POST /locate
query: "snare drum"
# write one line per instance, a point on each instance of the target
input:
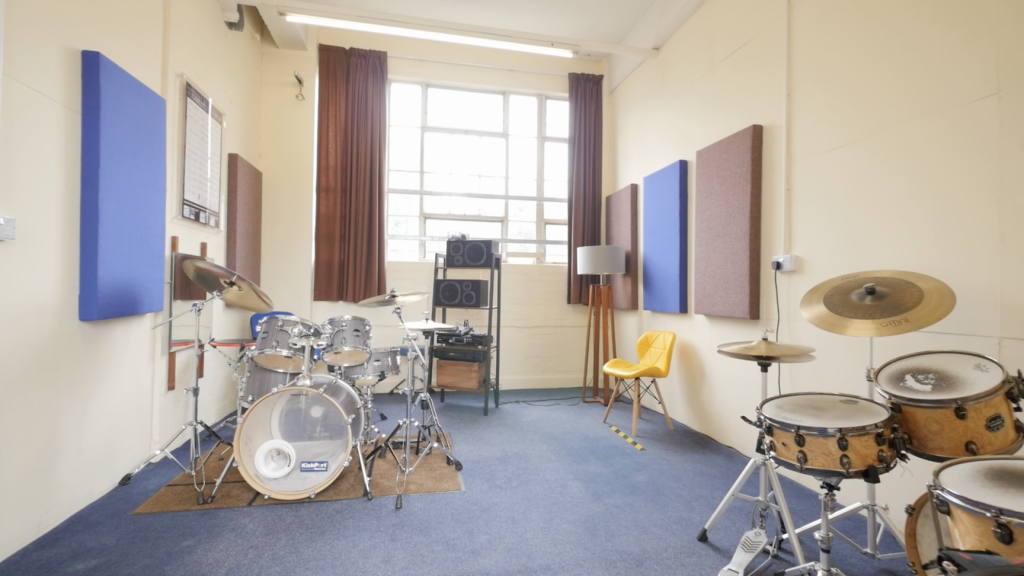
(273, 350)
(348, 341)
(952, 404)
(828, 435)
(294, 442)
(386, 361)
(983, 498)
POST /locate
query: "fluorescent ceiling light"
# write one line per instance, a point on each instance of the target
(428, 35)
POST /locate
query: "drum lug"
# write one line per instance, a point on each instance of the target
(971, 448)
(768, 430)
(880, 439)
(1002, 532)
(801, 460)
(844, 461)
(941, 506)
(960, 412)
(883, 457)
(896, 407)
(799, 439)
(844, 444)
(909, 510)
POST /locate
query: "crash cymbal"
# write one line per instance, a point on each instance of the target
(877, 303)
(771, 359)
(392, 298)
(429, 325)
(235, 289)
(765, 348)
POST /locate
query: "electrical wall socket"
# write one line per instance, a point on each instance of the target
(786, 263)
(7, 228)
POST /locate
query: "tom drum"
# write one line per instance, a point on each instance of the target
(348, 341)
(273, 350)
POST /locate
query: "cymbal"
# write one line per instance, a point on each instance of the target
(392, 298)
(771, 359)
(877, 303)
(429, 325)
(235, 289)
(765, 348)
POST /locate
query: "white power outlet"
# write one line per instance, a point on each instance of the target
(7, 228)
(785, 263)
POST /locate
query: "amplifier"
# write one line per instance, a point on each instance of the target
(478, 340)
(471, 253)
(460, 293)
(460, 354)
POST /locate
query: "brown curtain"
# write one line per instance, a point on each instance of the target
(585, 103)
(350, 192)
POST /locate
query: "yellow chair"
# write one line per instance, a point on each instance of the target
(655, 352)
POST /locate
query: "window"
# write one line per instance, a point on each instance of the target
(489, 165)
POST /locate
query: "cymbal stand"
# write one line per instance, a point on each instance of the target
(823, 566)
(756, 540)
(407, 424)
(877, 516)
(196, 461)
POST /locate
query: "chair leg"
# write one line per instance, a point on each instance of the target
(636, 403)
(611, 400)
(661, 400)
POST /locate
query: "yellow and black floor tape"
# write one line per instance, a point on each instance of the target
(627, 438)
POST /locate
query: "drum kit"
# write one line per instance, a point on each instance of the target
(953, 407)
(295, 431)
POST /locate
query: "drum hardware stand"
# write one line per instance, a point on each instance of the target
(877, 516)
(196, 460)
(756, 540)
(823, 566)
(406, 425)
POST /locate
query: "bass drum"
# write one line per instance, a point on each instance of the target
(952, 404)
(921, 539)
(293, 443)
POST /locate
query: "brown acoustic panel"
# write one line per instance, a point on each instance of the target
(184, 288)
(727, 252)
(620, 230)
(245, 217)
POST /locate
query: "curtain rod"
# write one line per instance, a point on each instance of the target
(452, 62)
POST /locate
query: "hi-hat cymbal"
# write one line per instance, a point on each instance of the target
(765, 348)
(235, 289)
(877, 303)
(392, 298)
(429, 325)
(771, 359)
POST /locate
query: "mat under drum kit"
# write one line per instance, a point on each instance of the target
(296, 430)
(952, 407)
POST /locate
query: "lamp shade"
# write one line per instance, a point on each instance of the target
(600, 260)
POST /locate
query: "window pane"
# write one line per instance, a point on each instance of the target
(556, 254)
(462, 154)
(556, 211)
(514, 260)
(556, 161)
(471, 228)
(404, 250)
(522, 157)
(522, 210)
(463, 206)
(403, 226)
(522, 231)
(405, 105)
(403, 205)
(404, 180)
(556, 119)
(490, 159)
(436, 247)
(522, 115)
(520, 187)
(556, 189)
(556, 232)
(404, 148)
(466, 110)
(529, 248)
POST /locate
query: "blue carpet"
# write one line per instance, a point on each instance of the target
(549, 489)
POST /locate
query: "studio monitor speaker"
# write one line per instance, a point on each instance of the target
(460, 293)
(471, 253)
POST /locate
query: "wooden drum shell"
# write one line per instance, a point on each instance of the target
(823, 452)
(937, 434)
(970, 531)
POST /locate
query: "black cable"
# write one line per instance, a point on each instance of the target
(778, 322)
(534, 402)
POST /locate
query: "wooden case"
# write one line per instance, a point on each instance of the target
(460, 375)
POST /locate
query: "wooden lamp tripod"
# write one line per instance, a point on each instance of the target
(602, 261)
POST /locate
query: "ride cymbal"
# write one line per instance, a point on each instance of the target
(392, 298)
(422, 325)
(234, 289)
(877, 303)
(771, 359)
(765, 348)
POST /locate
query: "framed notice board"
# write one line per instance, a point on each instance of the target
(201, 165)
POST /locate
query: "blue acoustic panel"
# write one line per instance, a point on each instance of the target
(124, 180)
(665, 243)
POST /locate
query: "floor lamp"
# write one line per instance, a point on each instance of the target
(600, 261)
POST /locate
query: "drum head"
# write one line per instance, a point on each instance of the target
(940, 376)
(992, 482)
(921, 540)
(820, 410)
(293, 443)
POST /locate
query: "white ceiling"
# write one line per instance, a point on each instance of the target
(612, 29)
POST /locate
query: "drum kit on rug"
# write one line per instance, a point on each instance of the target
(951, 407)
(295, 430)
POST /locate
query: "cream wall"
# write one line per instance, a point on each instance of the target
(82, 402)
(904, 135)
(542, 338)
